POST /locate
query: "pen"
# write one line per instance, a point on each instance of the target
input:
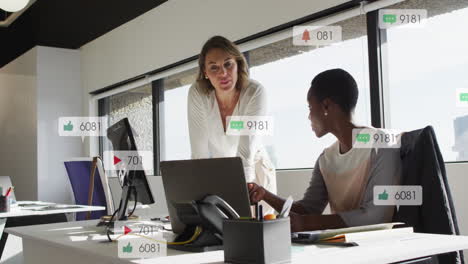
(8, 192)
(260, 212)
(337, 244)
(256, 211)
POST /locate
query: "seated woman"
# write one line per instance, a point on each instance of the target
(343, 176)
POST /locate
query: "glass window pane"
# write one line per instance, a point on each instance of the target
(137, 106)
(426, 66)
(176, 143)
(286, 72)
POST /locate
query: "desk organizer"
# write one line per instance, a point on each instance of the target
(4, 204)
(261, 242)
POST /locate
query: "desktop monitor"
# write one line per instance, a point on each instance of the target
(121, 136)
(192, 180)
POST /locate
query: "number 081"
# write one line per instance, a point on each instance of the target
(324, 35)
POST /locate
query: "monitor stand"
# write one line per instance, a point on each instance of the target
(121, 213)
(127, 192)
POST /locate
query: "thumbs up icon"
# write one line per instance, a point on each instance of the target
(68, 127)
(383, 196)
(128, 248)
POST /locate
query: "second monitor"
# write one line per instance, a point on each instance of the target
(121, 136)
(193, 180)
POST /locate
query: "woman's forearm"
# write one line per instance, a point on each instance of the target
(275, 201)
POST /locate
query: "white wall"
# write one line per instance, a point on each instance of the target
(35, 90)
(177, 29)
(458, 180)
(18, 155)
(58, 94)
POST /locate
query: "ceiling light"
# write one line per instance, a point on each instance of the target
(13, 5)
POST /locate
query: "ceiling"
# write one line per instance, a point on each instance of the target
(66, 23)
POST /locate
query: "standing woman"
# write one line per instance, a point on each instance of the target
(223, 88)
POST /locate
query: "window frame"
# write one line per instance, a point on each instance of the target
(378, 69)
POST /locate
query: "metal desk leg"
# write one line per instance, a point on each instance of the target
(4, 235)
(2, 224)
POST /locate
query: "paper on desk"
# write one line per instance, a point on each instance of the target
(55, 207)
(286, 207)
(329, 233)
(379, 235)
(369, 237)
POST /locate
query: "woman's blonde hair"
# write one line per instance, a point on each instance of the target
(219, 42)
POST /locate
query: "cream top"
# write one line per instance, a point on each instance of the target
(207, 136)
(347, 181)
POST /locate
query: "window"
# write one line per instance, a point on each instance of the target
(137, 106)
(422, 71)
(426, 66)
(176, 135)
(286, 72)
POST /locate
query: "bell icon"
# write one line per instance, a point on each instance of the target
(306, 35)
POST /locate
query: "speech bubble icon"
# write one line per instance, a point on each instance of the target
(363, 138)
(463, 97)
(389, 18)
(237, 125)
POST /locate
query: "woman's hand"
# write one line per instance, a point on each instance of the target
(256, 192)
(297, 222)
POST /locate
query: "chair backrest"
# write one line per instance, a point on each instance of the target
(79, 171)
(106, 186)
(423, 165)
(5, 183)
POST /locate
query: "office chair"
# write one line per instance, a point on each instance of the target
(79, 172)
(423, 165)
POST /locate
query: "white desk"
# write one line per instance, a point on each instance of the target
(17, 210)
(81, 242)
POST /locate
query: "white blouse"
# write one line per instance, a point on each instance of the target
(207, 136)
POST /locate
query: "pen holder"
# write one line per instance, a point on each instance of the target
(4, 204)
(252, 241)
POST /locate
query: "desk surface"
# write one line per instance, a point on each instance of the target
(77, 239)
(35, 209)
